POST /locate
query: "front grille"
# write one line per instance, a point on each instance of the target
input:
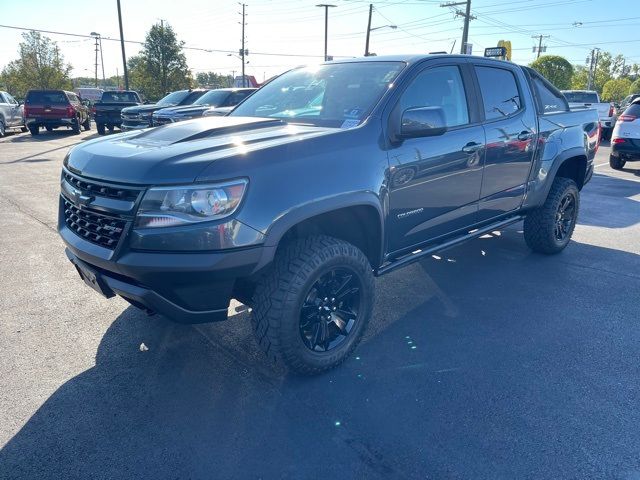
(95, 227)
(93, 188)
(161, 120)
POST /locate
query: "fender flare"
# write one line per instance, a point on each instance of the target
(539, 187)
(288, 219)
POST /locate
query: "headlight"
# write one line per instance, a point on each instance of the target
(174, 206)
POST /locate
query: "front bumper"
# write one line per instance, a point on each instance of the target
(187, 274)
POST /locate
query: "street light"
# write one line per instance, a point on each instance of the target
(98, 38)
(369, 30)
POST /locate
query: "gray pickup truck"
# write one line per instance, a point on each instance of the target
(321, 180)
(11, 114)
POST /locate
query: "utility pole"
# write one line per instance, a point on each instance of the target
(366, 48)
(124, 57)
(98, 38)
(243, 51)
(326, 26)
(467, 18)
(96, 64)
(593, 64)
(540, 37)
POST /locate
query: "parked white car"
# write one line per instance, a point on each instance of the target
(11, 114)
(625, 140)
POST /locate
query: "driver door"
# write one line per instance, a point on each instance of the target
(435, 181)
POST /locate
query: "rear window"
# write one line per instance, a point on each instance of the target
(119, 97)
(581, 97)
(46, 97)
(633, 109)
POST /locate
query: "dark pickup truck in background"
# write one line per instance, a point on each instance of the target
(136, 118)
(321, 180)
(107, 111)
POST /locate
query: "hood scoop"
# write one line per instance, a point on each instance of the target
(197, 129)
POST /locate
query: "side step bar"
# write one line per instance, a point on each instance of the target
(419, 254)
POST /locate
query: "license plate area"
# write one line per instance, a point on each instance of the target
(93, 279)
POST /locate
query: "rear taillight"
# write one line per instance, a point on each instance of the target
(26, 111)
(610, 110)
(618, 140)
(626, 118)
(70, 112)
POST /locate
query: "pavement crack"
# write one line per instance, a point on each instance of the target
(27, 213)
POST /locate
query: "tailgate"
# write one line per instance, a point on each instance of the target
(48, 111)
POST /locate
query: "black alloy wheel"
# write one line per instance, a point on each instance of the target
(565, 217)
(330, 310)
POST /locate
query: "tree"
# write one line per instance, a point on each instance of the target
(556, 69)
(213, 80)
(40, 65)
(634, 87)
(615, 89)
(161, 66)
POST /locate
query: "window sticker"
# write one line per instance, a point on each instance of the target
(350, 123)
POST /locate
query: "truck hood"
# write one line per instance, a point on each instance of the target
(184, 110)
(179, 152)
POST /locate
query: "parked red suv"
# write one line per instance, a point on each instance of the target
(54, 108)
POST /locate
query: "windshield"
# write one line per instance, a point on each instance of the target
(581, 97)
(174, 98)
(212, 98)
(336, 95)
(119, 97)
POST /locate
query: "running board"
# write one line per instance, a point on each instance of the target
(420, 253)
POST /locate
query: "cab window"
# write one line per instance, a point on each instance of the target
(500, 94)
(439, 87)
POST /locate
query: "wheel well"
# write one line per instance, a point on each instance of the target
(358, 225)
(574, 168)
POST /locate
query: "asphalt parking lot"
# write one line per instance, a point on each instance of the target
(484, 362)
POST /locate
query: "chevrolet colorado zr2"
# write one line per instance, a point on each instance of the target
(321, 180)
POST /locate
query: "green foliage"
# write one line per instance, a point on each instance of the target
(615, 89)
(608, 68)
(556, 69)
(40, 65)
(213, 80)
(634, 87)
(161, 66)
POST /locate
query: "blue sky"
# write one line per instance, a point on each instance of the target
(292, 31)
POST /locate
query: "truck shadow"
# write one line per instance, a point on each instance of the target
(455, 342)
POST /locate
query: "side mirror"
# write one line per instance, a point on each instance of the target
(423, 122)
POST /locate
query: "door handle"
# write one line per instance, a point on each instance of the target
(525, 135)
(472, 147)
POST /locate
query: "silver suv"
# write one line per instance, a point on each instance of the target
(11, 114)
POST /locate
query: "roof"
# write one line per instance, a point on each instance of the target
(410, 58)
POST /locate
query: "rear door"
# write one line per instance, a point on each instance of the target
(47, 104)
(511, 128)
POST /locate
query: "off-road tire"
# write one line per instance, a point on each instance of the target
(34, 131)
(111, 128)
(279, 296)
(75, 128)
(616, 162)
(87, 124)
(49, 129)
(100, 128)
(2, 129)
(539, 225)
